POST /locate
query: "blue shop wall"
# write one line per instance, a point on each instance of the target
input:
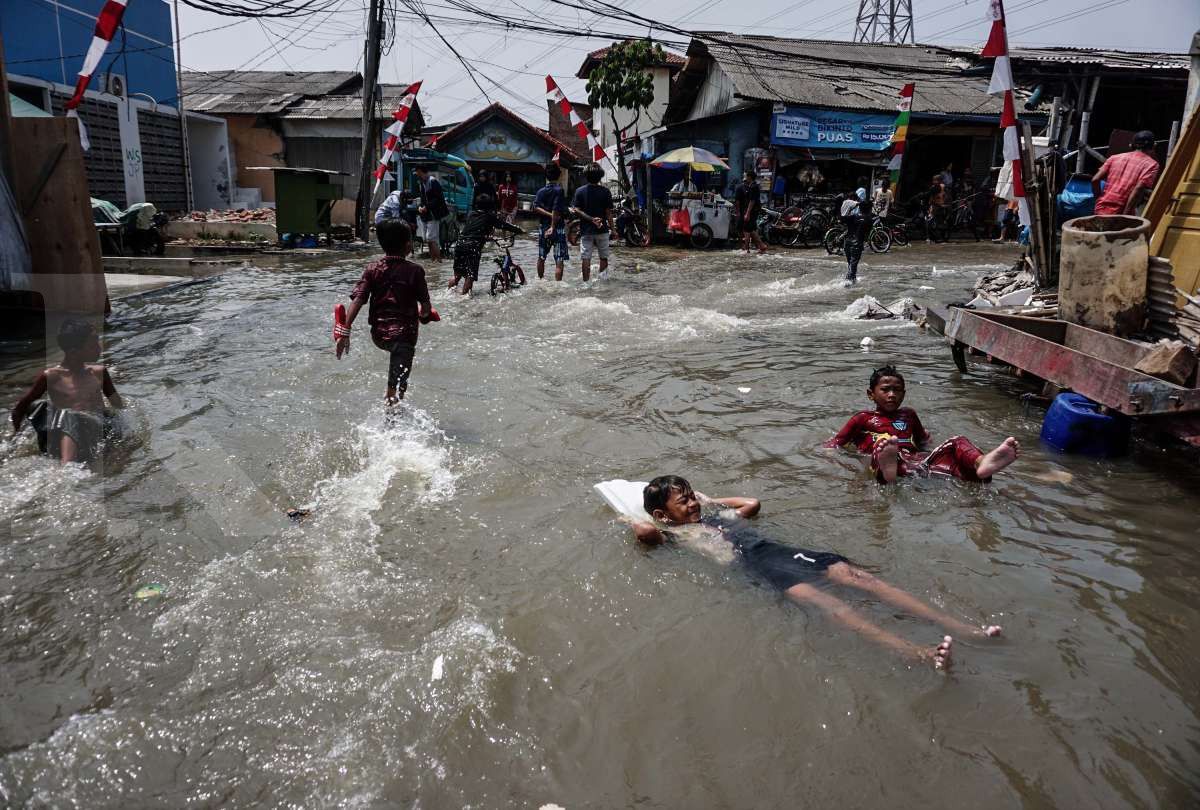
(48, 40)
(728, 135)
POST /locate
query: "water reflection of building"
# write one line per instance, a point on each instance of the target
(499, 140)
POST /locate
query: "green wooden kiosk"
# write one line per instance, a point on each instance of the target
(304, 198)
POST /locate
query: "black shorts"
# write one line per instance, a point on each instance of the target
(784, 566)
(466, 260)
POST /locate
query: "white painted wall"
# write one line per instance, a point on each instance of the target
(208, 148)
(651, 117)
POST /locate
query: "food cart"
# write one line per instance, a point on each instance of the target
(706, 217)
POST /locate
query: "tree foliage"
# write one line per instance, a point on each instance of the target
(624, 80)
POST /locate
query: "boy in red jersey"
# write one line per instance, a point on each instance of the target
(895, 438)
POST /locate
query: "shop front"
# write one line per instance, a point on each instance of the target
(821, 152)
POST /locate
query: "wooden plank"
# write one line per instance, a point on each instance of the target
(62, 239)
(1105, 382)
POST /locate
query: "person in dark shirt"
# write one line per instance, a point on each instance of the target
(432, 211)
(399, 299)
(483, 187)
(747, 206)
(679, 514)
(550, 205)
(894, 437)
(593, 204)
(476, 230)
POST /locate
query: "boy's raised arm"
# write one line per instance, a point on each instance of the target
(745, 507)
(110, 391)
(35, 392)
(848, 434)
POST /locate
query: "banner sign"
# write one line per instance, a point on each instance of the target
(811, 128)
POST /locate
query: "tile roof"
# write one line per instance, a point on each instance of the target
(670, 59)
(257, 92)
(847, 75)
(496, 108)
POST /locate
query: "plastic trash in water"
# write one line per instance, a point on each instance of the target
(743, 390)
(439, 666)
(149, 591)
(866, 344)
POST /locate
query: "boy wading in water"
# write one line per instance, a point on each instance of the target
(798, 572)
(550, 204)
(74, 421)
(894, 438)
(399, 298)
(593, 204)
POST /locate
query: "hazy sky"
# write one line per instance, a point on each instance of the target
(518, 61)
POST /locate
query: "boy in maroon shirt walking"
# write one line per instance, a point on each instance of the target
(399, 298)
(894, 438)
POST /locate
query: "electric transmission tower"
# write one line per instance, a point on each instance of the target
(884, 21)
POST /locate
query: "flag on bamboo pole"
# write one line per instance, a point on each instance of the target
(556, 95)
(394, 131)
(107, 23)
(900, 135)
(1002, 84)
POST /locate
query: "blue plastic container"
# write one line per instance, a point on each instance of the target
(1074, 424)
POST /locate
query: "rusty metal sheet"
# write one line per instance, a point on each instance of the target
(1105, 382)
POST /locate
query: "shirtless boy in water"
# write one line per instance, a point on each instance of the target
(798, 572)
(894, 437)
(77, 387)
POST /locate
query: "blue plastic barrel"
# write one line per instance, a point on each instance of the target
(1074, 424)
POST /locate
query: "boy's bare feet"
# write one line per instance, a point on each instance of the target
(991, 630)
(888, 460)
(941, 654)
(1005, 453)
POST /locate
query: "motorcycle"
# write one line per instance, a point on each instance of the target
(630, 225)
(139, 230)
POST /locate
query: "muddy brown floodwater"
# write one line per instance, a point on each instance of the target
(463, 624)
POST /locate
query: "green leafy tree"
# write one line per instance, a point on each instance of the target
(624, 80)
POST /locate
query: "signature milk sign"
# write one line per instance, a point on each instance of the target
(811, 128)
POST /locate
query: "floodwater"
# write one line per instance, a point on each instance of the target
(463, 623)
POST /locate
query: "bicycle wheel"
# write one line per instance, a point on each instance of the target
(813, 226)
(834, 240)
(899, 234)
(498, 283)
(573, 232)
(879, 239)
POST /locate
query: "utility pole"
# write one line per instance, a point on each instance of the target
(183, 129)
(362, 205)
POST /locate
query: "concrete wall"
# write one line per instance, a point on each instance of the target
(208, 147)
(255, 145)
(650, 118)
(235, 231)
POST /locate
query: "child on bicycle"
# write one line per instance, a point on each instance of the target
(477, 229)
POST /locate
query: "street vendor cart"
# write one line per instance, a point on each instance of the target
(702, 217)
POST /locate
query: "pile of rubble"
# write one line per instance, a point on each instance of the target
(232, 215)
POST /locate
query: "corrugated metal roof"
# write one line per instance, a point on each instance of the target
(342, 107)
(1113, 60)
(257, 92)
(850, 76)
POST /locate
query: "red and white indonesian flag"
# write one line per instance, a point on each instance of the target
(106, 27)
(1002, 84)
(394, 132)
(556, 95)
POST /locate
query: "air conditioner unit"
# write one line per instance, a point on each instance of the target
(114, 85)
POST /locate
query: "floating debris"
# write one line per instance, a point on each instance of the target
(149, 591)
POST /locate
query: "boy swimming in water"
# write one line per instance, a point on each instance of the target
(894, 438)
(399, 298)
(798, 572)
(74, 422)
